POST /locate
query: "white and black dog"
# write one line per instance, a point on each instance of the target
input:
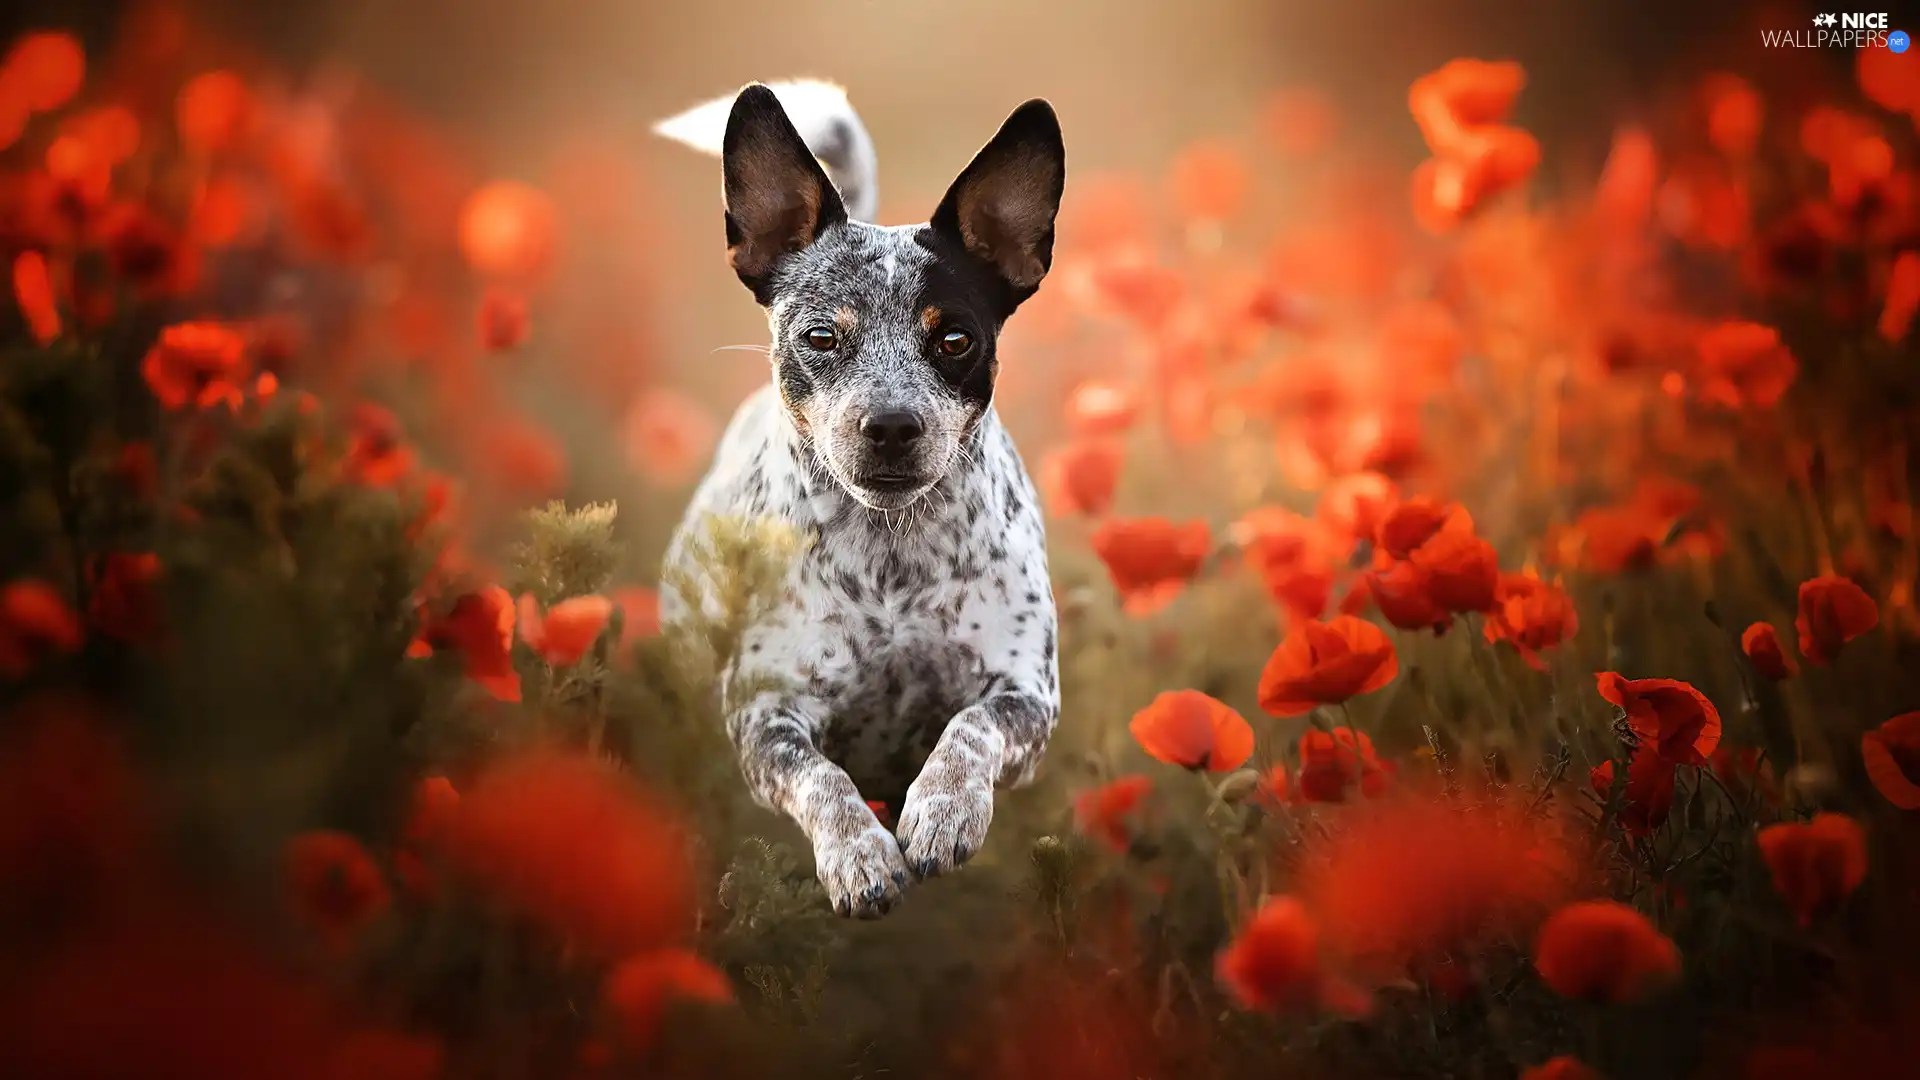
(918, 632)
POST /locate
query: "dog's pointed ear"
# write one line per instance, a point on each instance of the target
(778, 198)
(1003, 205)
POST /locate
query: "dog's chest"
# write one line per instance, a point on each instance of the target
(890, 654)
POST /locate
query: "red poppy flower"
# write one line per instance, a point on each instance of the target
(1275, 965)
(480, 627)
(1461, 571)
(1891, 754)
(1412, 523)
(126, 600)
(569, 841)
(1815, 865)
(195, 363)
(507, 229)
(1415, 878)
(1833, 611)
(377, 453)
(1761, 643)
(1667, 714)
(1331, 762)
(1733, 111)
(1102, 812)
(1649, 794)
(213, 110)
(1354, 506)
(564, 634)
(35, 624)
(639, 613)
(1400, 592)
(504, 321)
(1080, 477)
(1902, 297)
(1325, 664)
(1097, 407)
(1745, 365)
(1151, 559)
(638, 991)
(1598, 950)
(1563, 1067)
(668, 437)
(33, 289)
(1532, 616)
(1293, 558)
(1209, 181)
(334, 887)
(1189, 729)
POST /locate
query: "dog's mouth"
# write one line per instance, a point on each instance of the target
(889, 491)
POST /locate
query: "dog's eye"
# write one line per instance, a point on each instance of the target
(822, 338)
(956, 343)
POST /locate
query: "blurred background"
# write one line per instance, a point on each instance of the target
(516, 80)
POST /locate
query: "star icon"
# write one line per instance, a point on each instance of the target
(1830, 19)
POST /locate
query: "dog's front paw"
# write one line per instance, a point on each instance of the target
(862, 870)
(944, 819)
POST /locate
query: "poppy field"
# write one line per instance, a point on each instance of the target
(1488, 636)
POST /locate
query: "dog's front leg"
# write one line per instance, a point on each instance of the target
(857, 859)
(996, 742)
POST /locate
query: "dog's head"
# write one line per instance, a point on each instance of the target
(884, 337)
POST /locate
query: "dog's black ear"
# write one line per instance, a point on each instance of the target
(778, 199)
(1003, 205)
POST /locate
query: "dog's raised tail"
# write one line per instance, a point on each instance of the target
(824, 118)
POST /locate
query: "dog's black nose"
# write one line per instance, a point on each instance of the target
(893, 432)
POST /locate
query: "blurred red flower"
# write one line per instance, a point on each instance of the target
(1833, 611)
(563, 635)
(1151, 559)
(36, 624)
(1412, 879)
(1276, 965)
(1189, 729)
(1598, 950)
(126, 601)
(569, 841)
(669, 437)
(1563, 1067)
(33, 289)
(1815, 865)
(1761, 643)
(1325, 664)
(503, 320)
(334, 888)
(196, 363)
(377, 452)
(1903, 295)
(1532, 616)
(1666, 714)
(1744, 365)
(479, 626)
(1080, 477)
(1102, 812)
(638, 991)
(1648, 798)
(42, 71)
(507, 229)
(1331, 762)
(1891, 754)
(1097, 407)
(213, 111)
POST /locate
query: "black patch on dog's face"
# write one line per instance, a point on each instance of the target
(860, 312)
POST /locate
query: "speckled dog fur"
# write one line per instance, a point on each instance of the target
(918, 632)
